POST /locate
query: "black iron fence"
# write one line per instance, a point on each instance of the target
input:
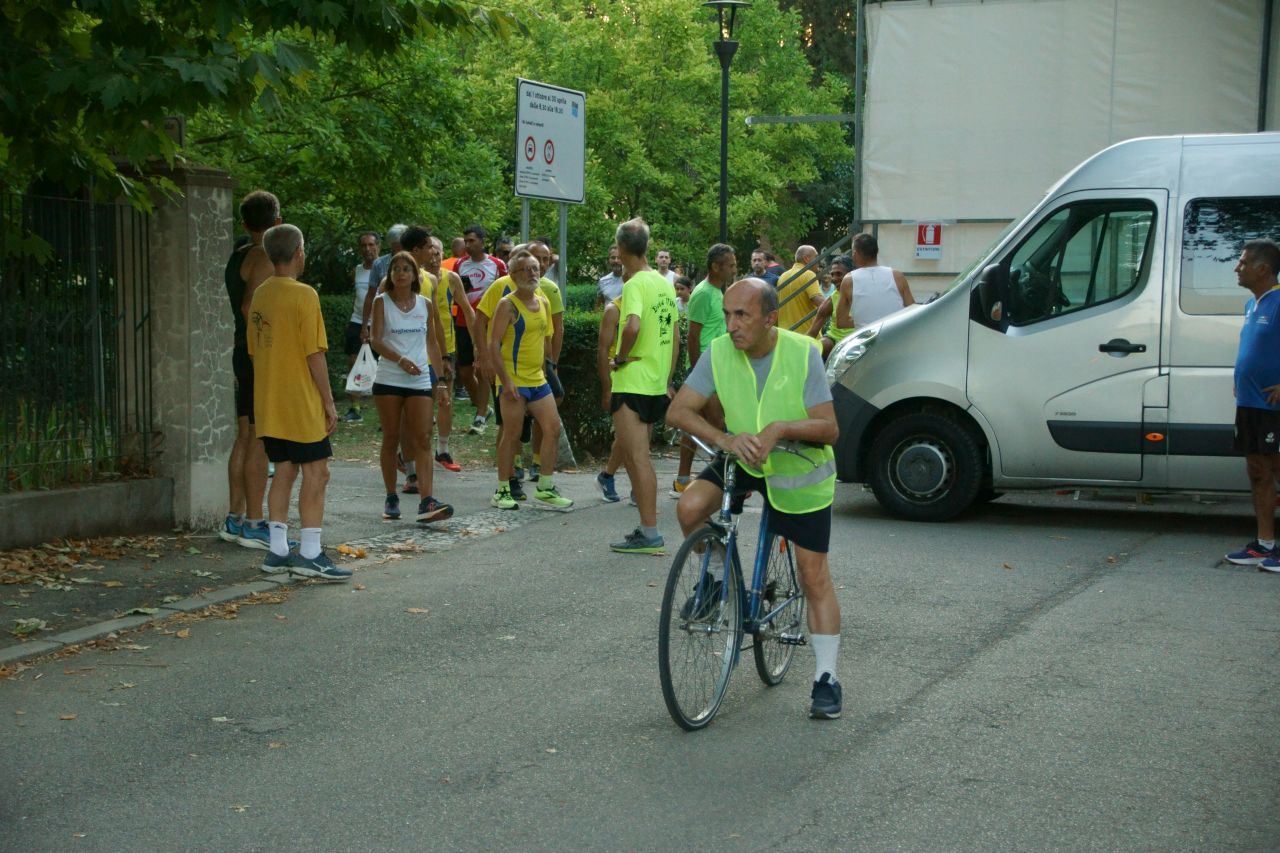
(75, 343)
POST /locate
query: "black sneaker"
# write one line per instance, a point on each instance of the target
(430, 509)
(517, 490)
(703, 601)
(826, 698)
(391, 507)
(410, 486)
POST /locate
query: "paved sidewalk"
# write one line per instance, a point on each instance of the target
(129, 582)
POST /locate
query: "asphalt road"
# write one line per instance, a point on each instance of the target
(1043, 674)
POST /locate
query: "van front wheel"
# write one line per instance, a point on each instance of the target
(925, 467)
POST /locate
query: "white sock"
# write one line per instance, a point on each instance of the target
(411, 469)
(826, 647)
(310, 547)
(442, 444)
(1267, 543)
(279, 538)
(253, 522)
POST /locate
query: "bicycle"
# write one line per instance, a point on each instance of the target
(703, 618)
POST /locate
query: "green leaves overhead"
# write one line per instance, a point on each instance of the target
(86, 85)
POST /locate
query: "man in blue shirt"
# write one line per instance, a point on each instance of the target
(1257, 389)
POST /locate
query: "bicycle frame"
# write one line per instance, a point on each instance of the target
(725, 524)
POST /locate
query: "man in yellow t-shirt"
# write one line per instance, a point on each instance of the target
(293, 403)
(642, 369)
(798, 292)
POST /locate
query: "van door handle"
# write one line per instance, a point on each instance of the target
(1120, 346)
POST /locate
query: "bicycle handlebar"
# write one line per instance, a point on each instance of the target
(786, 448)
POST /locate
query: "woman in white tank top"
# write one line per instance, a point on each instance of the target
(402, 317)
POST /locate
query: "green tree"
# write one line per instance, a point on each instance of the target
(652, 85)
(86, 85)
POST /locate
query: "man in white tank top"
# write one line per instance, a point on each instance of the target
(871, 292)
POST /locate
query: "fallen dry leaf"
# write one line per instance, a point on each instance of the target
(1005, 566)
(416, 610)
(275, 744)
(358, 586)
(66, 716)
(184, 633)
(113, 584)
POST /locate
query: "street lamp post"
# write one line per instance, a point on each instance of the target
(725, 47)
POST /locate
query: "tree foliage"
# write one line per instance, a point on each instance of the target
(86, 85)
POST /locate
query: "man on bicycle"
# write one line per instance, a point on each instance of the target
(772, 386)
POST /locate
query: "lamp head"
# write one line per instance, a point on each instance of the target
(726, 23)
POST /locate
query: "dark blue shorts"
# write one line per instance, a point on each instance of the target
(536, 393)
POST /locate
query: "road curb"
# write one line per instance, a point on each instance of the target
(98, 630)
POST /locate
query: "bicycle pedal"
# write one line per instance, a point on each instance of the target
(792, 639)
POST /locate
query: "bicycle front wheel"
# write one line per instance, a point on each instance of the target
(699, 630)
(774, 646)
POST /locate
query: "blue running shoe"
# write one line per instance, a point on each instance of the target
(319, 567)
(231, 528)
(826, 697)
(391, 507)
(1250, 555)
(1271, 564)
(607, 488)
(636, 542)
(275, 564)
(255, 536)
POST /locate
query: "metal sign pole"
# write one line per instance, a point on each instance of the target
(524, 220)
(563, 263)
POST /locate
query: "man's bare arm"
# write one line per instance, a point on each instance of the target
(820, 319)
(904, 289)
(844, 315)
(254, 270)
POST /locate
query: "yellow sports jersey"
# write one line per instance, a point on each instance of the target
(286, 326)
(444, 310)
(500, 288)
(802, 282)
(524, 342)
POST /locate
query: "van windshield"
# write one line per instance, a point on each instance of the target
(975, 265)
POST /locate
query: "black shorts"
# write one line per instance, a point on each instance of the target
(649, 407)
(553, 379)
(299, 453)
(1257, 431)
(353, 341)
(466, 352)
(242, 367)
(808, 530)
(526, 426)
(380, 390)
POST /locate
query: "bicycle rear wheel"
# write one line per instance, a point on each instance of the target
(699, 630)
(772, 655)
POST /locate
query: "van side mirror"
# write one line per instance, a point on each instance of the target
(990, 298)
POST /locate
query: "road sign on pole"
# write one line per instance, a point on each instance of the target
(551, 131)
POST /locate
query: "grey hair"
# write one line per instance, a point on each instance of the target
(632, 237)
(281, 243)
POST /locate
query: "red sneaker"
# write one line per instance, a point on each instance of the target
(447, 463)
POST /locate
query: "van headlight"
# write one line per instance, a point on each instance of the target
(848, 351)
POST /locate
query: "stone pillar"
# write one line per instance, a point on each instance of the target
(191, 335)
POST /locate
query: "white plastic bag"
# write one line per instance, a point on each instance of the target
(360, 379)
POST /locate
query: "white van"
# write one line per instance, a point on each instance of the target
(1092, 346)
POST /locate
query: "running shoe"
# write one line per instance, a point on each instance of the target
(231, 527)
(520, 474)
(352, 416)
(255, 536)
(1251, 554)
(826, 697)
(447, 463)
(552, 498)
(502, 499)
(607, 488)
(637, 543)
(478, 424)
(704, 599)
(275, 564)
(535, 471)
(410, 486)
(1271, 563)
(391, 507)
(319, 567)
(678, 485)
(430, 509)
(517, 490)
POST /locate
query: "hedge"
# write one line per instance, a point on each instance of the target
(589, 428)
